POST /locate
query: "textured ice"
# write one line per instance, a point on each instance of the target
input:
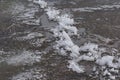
(52, 13)
(87, 52)
(103, 7)
(31, 35)
(65, 43)
(32, 74)
(22, 76)
(75, 67)
(65, 20)
(26, 16)
(89, 47)
(42, 3)
(24, 58)
(106, 60)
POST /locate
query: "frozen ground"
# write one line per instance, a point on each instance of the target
(59, 40)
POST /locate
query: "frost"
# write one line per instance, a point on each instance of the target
(93, 52)
(106, 72)
(24, 58)
(106, 60)
(31, 35)
(87, 58)
(70, 29)
(32, 74)
(52, 13)
(65, 20)
(89, 47)
(67, 43)
(23, 76)
(42, 3)
(75, 67)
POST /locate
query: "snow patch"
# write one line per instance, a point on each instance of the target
(42, 3)
(75, 67)
(107, 60)
(52, 13)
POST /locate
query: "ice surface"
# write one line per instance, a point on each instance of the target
(52, 13)
(29, 36)
(42, 3)
(103, 7)
(107, 60)
(65, 19)
(64, 42)
(32, 74)
(75, 67)
(24, 58)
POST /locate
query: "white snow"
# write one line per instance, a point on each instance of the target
(63, 32)
(75, 67)
(86, 58)
(89, 47)
(65, 20)
(106, 72)
(107, 60)
(42, 3)
(52, 13)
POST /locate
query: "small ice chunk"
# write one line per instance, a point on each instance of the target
(89, 47)
(67, 40)
(75, 67)
(113, 70)
(106, 60)
(112, 77)
(52, 13)
(75, 51)
(85, 57)
(106, 72)
(65, 19)
(42, 3)
(70, 29)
